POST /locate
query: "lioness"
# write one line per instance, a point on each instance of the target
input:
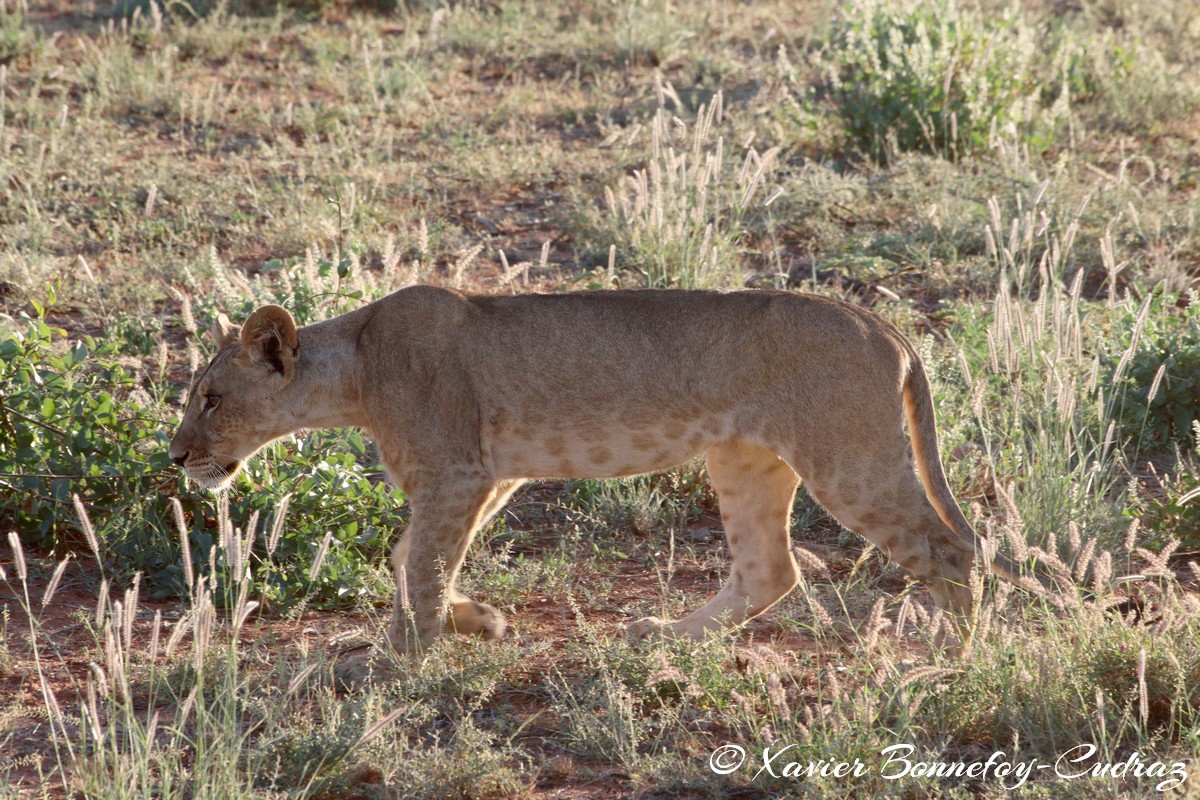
(469, 396)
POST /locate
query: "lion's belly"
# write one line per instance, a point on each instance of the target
(600, 449)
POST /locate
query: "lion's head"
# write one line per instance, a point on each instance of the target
(233, 406)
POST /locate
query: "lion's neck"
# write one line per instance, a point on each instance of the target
(325, 392)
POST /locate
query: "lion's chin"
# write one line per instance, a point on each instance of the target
(216, 477)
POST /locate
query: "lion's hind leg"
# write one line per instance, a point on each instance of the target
(755, 488)
(885, 503)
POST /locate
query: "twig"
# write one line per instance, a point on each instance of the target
(32, 421)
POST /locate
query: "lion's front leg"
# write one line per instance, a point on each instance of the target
(464, 615)
(427, 560)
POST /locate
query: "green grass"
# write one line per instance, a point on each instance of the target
(1013, 184)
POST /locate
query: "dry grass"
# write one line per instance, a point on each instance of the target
(161, 167)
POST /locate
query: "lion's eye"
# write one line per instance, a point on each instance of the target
(211, 401)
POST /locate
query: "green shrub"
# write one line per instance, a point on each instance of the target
(1125, 77)
(330, 492)
(932, 76)
(1157, 384)
(73, 421)
(1172, 513)
(69, 423)
(18, 39)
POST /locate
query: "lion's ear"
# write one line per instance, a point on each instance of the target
(224, 332)
(270, 338)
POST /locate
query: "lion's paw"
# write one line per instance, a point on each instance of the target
(648, 627)
(478, 618)
(360, 671)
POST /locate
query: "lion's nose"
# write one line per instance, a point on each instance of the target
(180, 459)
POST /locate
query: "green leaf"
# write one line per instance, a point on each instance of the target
(1182, 417)
(27, 455)
(77, 354)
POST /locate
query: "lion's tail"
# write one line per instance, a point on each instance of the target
(918, 405)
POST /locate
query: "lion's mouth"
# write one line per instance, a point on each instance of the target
(214, 475)
(224, 474)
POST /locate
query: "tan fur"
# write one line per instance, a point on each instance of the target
(469, 396)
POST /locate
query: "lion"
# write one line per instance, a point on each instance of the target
(469, 396)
